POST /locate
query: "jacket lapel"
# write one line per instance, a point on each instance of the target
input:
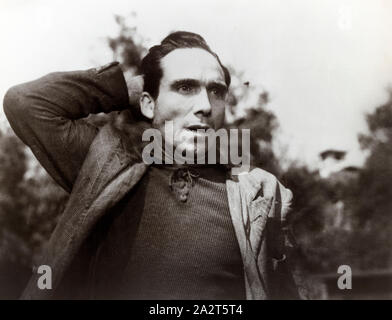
(249, 212)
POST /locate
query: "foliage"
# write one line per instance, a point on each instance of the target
(347, 219)
(127, 46)
(30, 203)
(373, 205)
(247, 110)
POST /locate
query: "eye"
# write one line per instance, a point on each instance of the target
(219, 92)
(184, 89)
(215, 91)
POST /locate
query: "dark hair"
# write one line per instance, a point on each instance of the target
(151, 67)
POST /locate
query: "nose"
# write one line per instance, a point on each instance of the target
(202, 106)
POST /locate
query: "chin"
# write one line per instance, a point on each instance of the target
(190, 150)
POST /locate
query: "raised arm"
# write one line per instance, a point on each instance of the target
(48, 115)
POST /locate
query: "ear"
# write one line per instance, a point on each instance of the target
(147, 105)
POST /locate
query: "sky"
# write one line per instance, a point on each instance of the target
(325, 63)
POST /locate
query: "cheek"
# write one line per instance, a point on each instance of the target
(171, 107)
(218, 114)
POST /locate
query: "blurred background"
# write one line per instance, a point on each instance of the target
(312, 79)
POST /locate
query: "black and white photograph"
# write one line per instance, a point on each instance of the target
(196, 150)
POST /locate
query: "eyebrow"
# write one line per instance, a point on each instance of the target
(219, 85)
(196, 83)
(181, 82)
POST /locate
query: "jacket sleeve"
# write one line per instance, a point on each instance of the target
(48, 115)
(290, 278)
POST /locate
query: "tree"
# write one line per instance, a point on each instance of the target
(29, 207)
(128, 46)
(373, 205)
(366, 201)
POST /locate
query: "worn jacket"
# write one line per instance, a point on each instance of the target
(98, 166)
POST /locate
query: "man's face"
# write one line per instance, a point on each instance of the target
(192, 94)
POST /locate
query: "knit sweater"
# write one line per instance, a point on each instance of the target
(158, 246)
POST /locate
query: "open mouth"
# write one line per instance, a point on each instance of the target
(198, 127)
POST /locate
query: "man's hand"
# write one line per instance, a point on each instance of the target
(135, 88)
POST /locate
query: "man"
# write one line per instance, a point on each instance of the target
(133, 230)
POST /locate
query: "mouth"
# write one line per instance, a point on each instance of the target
(196, 127)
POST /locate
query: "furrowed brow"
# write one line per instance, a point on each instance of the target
(220, 85)
(181, 82)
